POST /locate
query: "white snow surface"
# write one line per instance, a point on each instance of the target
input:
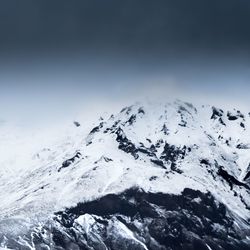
(32, 188)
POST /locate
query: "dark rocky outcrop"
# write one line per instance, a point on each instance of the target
(216, 113)
(243, 146)
(231, 179)
(190, 221)
(125, 144)
(172, 153)
(247, 176)
(77, 124)
(68, 162)
(97, 128)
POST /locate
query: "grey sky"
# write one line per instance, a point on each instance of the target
(61, 89)
(125, 25)
(60, 57)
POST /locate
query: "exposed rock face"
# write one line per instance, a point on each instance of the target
(136, 219)
(70, 161)
(158, 176)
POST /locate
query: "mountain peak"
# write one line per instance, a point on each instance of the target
(158, 148)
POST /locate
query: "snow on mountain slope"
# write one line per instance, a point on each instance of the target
(156, 147)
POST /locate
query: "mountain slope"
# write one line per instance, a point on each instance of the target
(154, 176)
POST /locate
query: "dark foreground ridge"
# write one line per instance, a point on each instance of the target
(138, 220)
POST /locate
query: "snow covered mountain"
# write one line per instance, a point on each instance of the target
(154, 176)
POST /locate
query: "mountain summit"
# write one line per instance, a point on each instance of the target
(154, 176)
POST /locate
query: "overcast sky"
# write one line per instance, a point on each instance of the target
(58, 58)
(126, 24)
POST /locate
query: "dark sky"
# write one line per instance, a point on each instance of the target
(125, 25)
(59, 56)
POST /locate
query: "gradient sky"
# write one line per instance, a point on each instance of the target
(59, 58)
